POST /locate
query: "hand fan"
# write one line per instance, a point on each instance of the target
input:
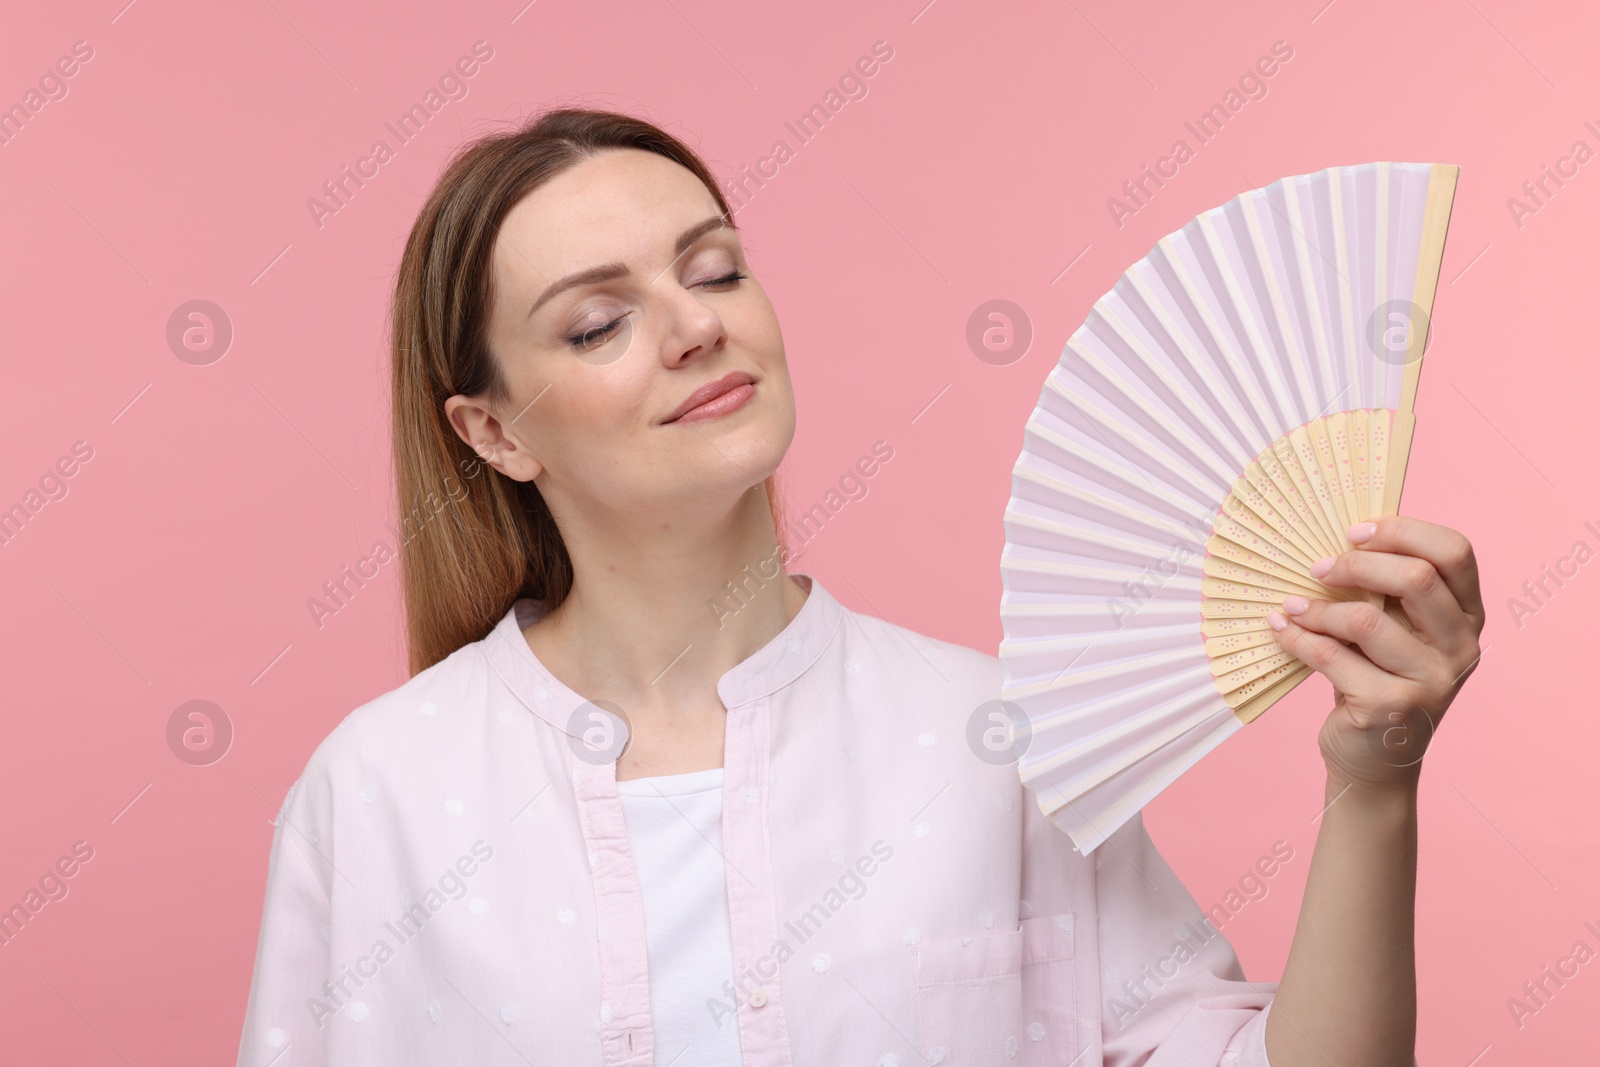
(1239, 398)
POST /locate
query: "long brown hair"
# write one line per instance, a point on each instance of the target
(475, 540)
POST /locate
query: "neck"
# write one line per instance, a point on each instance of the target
(658, 614)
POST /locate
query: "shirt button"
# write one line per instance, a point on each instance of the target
(758, 997)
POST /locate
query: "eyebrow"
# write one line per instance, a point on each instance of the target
(607, 271)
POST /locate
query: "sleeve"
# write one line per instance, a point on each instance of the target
(283, 1024)
(1156, 983)
(1173, 993)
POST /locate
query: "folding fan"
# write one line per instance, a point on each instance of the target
(1240, 397)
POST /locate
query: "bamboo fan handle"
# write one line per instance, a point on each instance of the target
(1435, 221)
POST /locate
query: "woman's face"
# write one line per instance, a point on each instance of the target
(619, 292)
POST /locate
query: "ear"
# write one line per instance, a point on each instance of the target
(486, 435)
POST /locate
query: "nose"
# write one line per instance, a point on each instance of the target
(693, 327)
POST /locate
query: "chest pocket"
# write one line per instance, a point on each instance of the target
(970, 997)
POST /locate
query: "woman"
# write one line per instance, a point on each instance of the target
(796, 859)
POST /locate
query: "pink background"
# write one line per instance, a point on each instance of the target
(219, 498)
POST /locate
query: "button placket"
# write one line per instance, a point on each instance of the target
(626, 1037)
(752, 905)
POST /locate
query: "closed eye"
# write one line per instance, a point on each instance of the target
(597, 335)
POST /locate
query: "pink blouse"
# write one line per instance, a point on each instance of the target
(450, 882)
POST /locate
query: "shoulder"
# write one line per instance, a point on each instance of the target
(899, 645)
(397, 730)
(900, 666)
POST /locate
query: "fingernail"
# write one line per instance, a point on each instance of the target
(1276, 621)
(1361, 532)
(1294, 605)
(1321, 567)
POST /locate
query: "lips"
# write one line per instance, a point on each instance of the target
(727, 383)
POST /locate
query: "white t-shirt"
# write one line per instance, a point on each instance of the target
(675, 834)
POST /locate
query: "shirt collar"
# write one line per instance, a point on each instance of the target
(774, 665)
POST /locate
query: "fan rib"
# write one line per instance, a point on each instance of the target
(1293, 356)
(1244, 308)
(1148, 449)
(1196, 450)
(1200, 363)
(1354, 367)
(1217, 459)
(1220, 340)
(1115, 474)
(1322, 365)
